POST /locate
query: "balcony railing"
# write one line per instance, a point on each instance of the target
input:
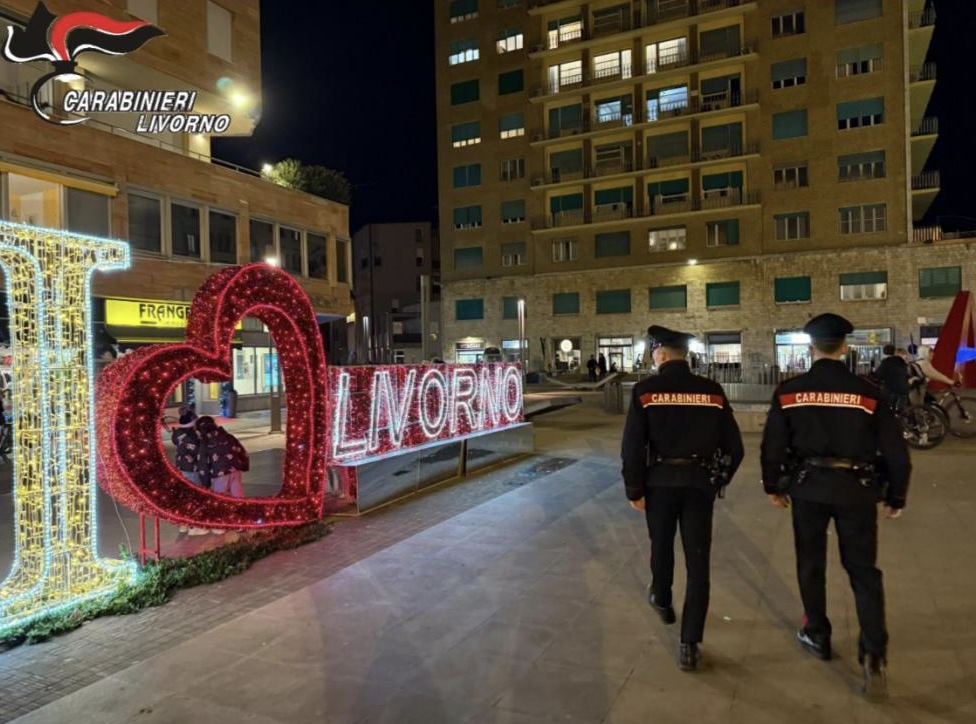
(921, 18)
(664, 205)
(926, 127)
(922, 73)
(933, 234)
(698, 156)
(926, 180)
(655, 12)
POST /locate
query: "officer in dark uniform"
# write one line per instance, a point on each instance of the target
(829, 446)
(681, 446)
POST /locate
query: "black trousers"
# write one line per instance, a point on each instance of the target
(857, 534)
(691, 508)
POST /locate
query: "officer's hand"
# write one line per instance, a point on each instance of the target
(637, 504)
(780, 501)
(892, 513)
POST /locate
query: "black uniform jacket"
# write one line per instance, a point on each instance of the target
(892, 373)
(679, 415)
(830, 413)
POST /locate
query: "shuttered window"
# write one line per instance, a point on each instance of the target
(616, 243)
(464, 92)
(565, 119)
(469, 309)
(513, 254)
(859, 166)
(875, 277)
(463, 51)
(565, 303)
(791, 124)
(566, 162)
(466, 134)
(615, 301)
(509, 307)
(672, 187)
(722, 233)
(470, 258)
(729, 180)
(569, 202)
(513, 211)
(623, 195)
(511, 82)
(720, 42)
(722, 294)
(667, 145)
(856, 61)
(467, 217)
(789, 73)
(792, 289)
(856, 114)
(463, 10)
(467, 175)
(511, 125)
(854, 11)
(945, 281)
(727, 137)
(675, 297)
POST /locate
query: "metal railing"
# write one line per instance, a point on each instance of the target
(663, 205)
(926, 180)
(655, 12)
(699, 156)
(926, 127)
(921, 18)
(924, 72)
(934, 234)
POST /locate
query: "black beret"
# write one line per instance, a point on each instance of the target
(828, 326)
(668, 337)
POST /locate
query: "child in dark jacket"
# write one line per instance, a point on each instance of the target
(221, 459)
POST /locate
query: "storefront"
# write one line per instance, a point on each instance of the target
(619, 352)
(792, 351)
(469, 352)
(866, 349)
(510, 350)
(567, 353)
(724, 347)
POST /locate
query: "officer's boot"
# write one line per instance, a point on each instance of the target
(875, 675)
(665, 612)
(688, 656)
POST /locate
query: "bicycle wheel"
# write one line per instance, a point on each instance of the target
(924, 427)
(962, 416)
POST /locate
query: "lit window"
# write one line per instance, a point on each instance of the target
(463, 51)
(511, 125)
(612, 65)
(509, 40)
(565, 74)
(671, 239)
(861, 286)
(565, 30)
(465, 134)
(666, 54)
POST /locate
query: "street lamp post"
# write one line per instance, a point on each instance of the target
(521, 334)
(274, 405)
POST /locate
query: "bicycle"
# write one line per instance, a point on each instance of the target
(924, 426)
(959, 411)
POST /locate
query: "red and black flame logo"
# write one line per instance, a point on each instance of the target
(62, 39)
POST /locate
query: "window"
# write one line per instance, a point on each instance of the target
(564, 164)
(223, 237)
(317, 260)
(467, 217)
(856, 61)
(463, 10)
(614, 158)
(615, 243)
(722, 233)
(465, 134)
(342, 261)
(146, 223)
(611, 20)
(511, 125)
(862, 219)
(943, 281)
(33, 201)
(463, 51)
(615, 110)
(861, 166)
(219, 31)
(290, 246)
(666, 101)
(469, 175)
(661, 149)
(857, 114)
(666, 54)
(87, 212)
(262, 240)
(791, 124)
(611, 200)
(144, 10)
(510, 307)
(564, 30)
(469, 309)
(790, 290)
(661, 194)
(721, 91)
(185, 226)
(790, 177)
(861, 286)
(616, 301)
(792, 226)
(721, 184)
(464, 92)
(567, 208)
(565, 303)
(512, 168)
(789, 24)
(565, 74)
(675, 297)
(722, 294)
(511, 82)
(509, 39)
(513, 254)
(853, 11)
(470, 258)
(565, 120)
(564, 250)
(721, 141)
(513, 212)
(506, 4)
(789, 73)
(669, 239)
(420, 257)
(719, 43)
(612, 65)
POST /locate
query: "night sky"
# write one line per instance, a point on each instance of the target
(350, 85)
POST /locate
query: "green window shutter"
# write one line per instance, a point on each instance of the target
(858, 278)
(858, 109)
(464, 92)
(850, 109)
(870, 52)
(669, 188)
(872, 106)
(565, 303)
(474, 174)
(570, 202)
(718, 85)
(732, 229)
(614, 196)
(792, 289)
(732, 179)
(721, 40)
(615, 301)
(467, 216)
(513, 209)
(511, 121)
(469, 258)
(509, 307)
(511, 82)
(566, 117)
(567, 161)
(616, 243)
(460, 176)
(465, 131)
(460, 8)
(945, 281)
(796, 68)
(791, 124)
(848, 55)
(675, 297)
(469, 309)
(721, 138)
(853, 11)
(722, 294)
(857, 159)
(668, 145)
(516, 247)
(460, 46)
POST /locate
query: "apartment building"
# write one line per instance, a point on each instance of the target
(184, 213)
(723, 166)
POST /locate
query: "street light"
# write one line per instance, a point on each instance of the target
(521, 333)
(271, 259)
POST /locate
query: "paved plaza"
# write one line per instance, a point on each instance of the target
(517, 596)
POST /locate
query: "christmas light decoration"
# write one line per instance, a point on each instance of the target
(383, 410)
(48, 274)
(132, 391)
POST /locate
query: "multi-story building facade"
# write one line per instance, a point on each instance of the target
(723, 166)
(396, 286)
(184, 213)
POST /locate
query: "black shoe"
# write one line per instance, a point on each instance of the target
(816, 644)
(688, 657)
(665, 612)
(875, 677)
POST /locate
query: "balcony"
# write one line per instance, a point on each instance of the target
(698, 156)
(922, 73)
(925, 181)
(935, 234)
(653, 12)
(926, 127)
(921, 19)
(729, 198)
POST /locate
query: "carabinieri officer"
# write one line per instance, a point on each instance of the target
(830, 445)
(681, 446)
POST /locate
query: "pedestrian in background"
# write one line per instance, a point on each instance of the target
(186, 439)
(591, 366)
(892, 375)
(602, 365)
(222, 460)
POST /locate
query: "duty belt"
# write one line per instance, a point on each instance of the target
(837, 464)
(660, 459)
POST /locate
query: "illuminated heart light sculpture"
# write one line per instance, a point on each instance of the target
(132, 464)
